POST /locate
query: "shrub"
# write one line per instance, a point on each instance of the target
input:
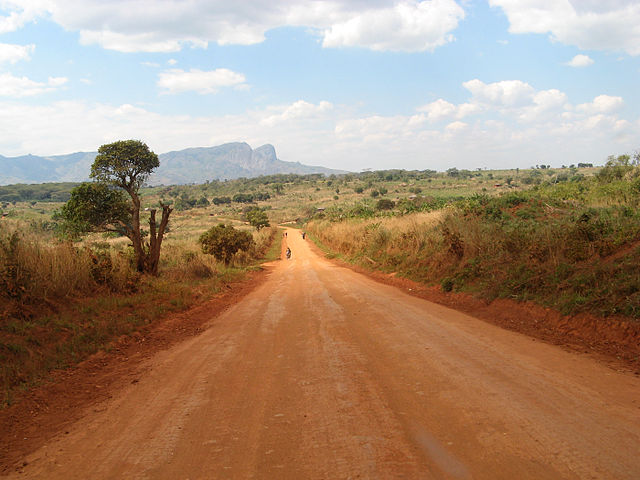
(385, 204)
(223, 241)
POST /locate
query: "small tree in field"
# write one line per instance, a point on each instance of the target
(119, 167)
(257, 218)
(223, 241)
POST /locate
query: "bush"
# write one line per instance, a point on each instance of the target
(385, 204)
(257, 218)
(223, 241)
(221, 200)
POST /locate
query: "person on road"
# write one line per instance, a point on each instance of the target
(288, 252)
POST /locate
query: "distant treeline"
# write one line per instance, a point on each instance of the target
(42, 192)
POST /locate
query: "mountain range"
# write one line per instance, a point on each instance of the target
(192, 165)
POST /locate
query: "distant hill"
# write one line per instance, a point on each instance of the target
(192, 165)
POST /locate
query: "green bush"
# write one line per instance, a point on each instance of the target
(224, 241)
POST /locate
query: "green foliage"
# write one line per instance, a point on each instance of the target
(45, 192)
(125, 163)
(184, 203)
(224, 241)
(203, 202)
(257, 218)
(618, 167)
(94, 207)
(250, 197)
(221, 200)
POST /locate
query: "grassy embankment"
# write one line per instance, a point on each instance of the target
(573, 246)
(62, 301)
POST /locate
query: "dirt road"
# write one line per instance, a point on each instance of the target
(322, 373)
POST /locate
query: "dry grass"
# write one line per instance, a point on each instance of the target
(60, 301)
(408, 234)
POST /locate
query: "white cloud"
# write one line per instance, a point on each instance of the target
(602, 104)
(170, 25)
(407, 26)
(580, 61)
(297, 110)
(455, 127)
(441, 109)
(19, 13)
(12, 86)
(507, 93)
(335, 136)
(10, 53)
(588, 24)
(203, 82)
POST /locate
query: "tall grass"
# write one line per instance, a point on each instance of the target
(60, 302)
(36, 269)
(570, 246)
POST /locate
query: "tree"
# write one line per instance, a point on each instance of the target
(121, 166)
(223, 241)
(257, 218)
(203, 202)
(95, 207)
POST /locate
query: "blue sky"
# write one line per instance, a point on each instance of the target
(348, 84)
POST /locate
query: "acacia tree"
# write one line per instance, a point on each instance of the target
(120, 166)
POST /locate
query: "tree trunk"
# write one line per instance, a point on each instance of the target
(156, 233)
(136, 239)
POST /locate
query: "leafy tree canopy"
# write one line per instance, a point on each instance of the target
(125, 163)
(257, 218)
(95, 207)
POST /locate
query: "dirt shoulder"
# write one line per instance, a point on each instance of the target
(614, 341)
(49, 409)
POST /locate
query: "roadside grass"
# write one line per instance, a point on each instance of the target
(61, 302)
(574, 247)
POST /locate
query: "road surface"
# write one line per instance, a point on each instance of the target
(322, 373)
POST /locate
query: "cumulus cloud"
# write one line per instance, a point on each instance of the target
(12, 86)
(441, 109)
(204, 82)
(580, 61)
(494, 136)
(507, 93)
(407, 26)
(170, 25)
(297, 110)
(602, 104)
(588, 24)
(20, 12)
(10, 53)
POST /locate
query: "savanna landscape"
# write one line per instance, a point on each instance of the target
(320, 239)
(548, 252)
